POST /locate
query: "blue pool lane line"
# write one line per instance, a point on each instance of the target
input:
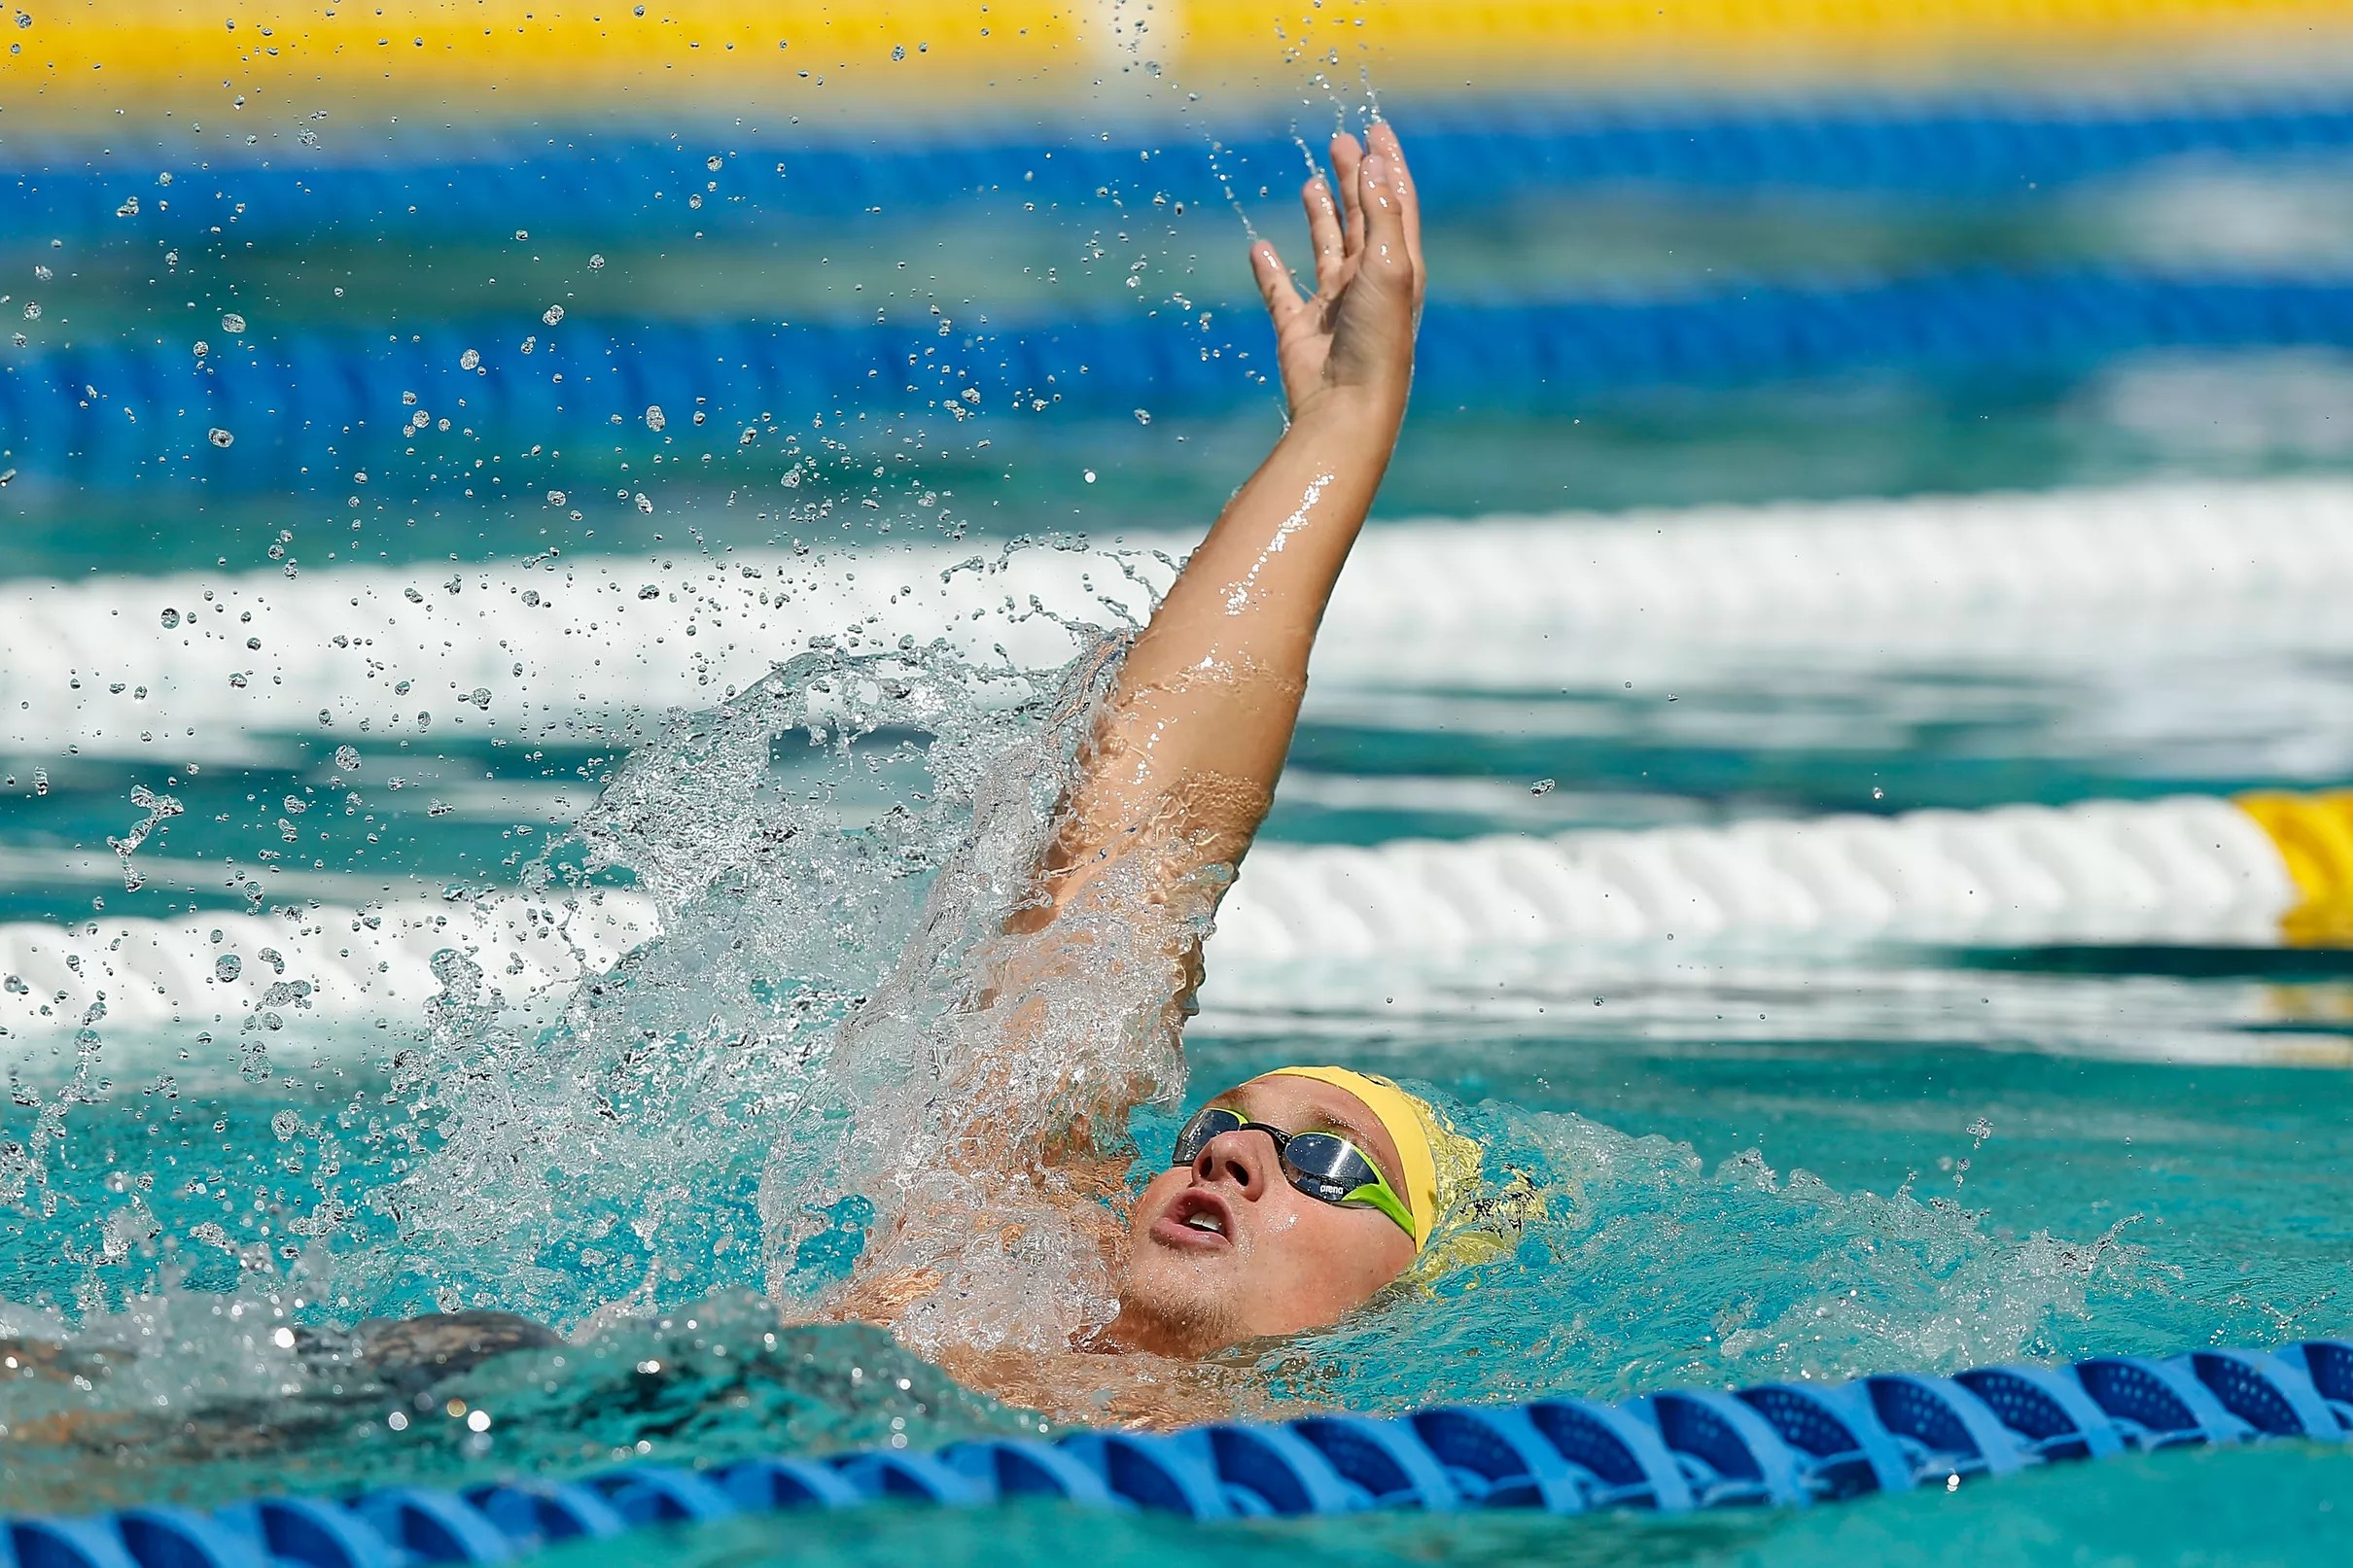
(1783, 1444)
(120, 412)
(484, 182)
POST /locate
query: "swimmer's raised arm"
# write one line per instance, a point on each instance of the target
(1200, 718)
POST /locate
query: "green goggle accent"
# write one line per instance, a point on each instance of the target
(1325, 1165)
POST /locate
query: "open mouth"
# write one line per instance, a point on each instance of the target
(1198, 1218)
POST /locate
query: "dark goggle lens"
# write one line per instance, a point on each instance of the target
(1332, 1164)
(1208, 1124)
(1321, 1164)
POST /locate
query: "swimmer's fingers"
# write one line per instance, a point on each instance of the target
(1388, 253)
(1324, 228)
(1383, 141)
(1346, 158)
(1275, 287)
(1302, 338)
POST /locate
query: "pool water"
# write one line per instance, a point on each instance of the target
(1749, 1161)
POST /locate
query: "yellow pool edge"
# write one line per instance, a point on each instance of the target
(149, 53)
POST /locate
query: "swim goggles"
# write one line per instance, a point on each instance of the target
(1325, 1165)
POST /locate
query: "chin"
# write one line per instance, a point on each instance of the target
(1167, 1305)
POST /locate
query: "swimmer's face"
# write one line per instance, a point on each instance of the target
(1226, 1249)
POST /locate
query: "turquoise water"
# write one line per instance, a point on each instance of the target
(1756, 1162)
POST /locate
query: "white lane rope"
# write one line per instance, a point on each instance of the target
(329, 964)
(2189, 869)
(200, 665)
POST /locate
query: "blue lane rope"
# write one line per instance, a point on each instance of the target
(484, 182)
(1783, 1444)
(120, 414)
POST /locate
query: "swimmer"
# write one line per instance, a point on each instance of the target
(1286, 1203)
(1290, 1201)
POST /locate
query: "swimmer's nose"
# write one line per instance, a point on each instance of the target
(1240, 1159)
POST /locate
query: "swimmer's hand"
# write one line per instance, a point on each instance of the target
(1353, 338)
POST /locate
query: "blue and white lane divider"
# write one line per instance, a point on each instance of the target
(484, 182)
(1777, 1445)
(198, 666)
(279, 411)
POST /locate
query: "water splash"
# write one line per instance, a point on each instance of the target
(1622, 1264)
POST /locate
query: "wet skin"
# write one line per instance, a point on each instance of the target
(1278, 1260)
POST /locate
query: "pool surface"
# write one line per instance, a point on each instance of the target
(1717, 1157)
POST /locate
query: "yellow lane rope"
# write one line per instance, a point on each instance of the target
(146, 53)
(2315, 836)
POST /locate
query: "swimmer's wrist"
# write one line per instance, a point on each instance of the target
(1351, 410)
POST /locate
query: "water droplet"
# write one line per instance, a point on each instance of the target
(220, 437)
(171, 618)
(1090, 476)
(1143, 416)
(899, 52)
(227, 966)
(522, 233)
(655, 419)
(130, 208)
(479, 696)
(470, 360)
(553, 315)
(286, 1125)
(596, 264)
(347, 758)
(232, 324)
(1542, 787)
(714, 163)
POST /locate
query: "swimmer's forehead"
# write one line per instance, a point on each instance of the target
(1312, 1105)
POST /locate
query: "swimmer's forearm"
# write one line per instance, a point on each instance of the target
(1201, 718)
(1258, 585)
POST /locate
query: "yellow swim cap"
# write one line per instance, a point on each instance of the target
(1435, 1157)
